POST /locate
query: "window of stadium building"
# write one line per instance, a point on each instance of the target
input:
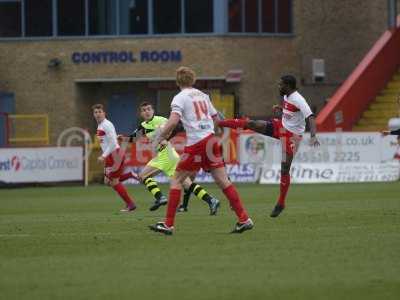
(260, 16)
(10, 19)
(38, 17)
(134, 16)
(74, 18)
(102, 17)
(199, 16)
(71, 17)
(167, 16)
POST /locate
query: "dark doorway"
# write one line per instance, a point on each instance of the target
(122, 112)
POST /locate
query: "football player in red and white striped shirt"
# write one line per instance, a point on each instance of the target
(113, 157)
(289, 129)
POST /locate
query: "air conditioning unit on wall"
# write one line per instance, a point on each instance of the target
(318, 70)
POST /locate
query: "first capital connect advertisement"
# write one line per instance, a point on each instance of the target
(53, 164)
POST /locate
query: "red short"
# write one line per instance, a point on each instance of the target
(206, 154)
(289, 140)
(114, 164)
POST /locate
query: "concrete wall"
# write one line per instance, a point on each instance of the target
(341, 33)
(39, 89)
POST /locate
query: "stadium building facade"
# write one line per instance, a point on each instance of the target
(59, 57)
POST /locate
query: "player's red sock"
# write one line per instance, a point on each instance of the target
(234, 199)
(285, 183)
(121, 190)
(127, 176)
(173, 202)
(233, 123)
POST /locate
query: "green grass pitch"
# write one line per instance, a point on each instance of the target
(333, 242)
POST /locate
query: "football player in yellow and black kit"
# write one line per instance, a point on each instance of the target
(165, 161)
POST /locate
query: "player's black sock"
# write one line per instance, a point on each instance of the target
(152, 186)
(200, 193)
(186, 198)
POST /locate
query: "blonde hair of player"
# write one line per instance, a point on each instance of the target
(185, 77)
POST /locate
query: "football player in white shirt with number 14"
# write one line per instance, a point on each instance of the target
(202, 150)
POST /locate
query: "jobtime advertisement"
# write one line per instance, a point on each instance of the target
(341, 157)
(334, 173)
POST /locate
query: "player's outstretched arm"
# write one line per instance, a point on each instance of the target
(313, 131)
(217, 128)
(113, 142)
(178, 128)
(140, 131)
(134, 136)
